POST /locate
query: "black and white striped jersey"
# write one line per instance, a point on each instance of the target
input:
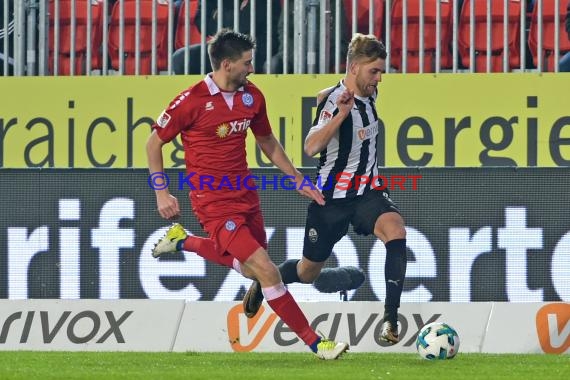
(348, 165)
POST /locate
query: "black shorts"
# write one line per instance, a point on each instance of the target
(327, 224)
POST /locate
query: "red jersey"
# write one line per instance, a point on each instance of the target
(213, 126)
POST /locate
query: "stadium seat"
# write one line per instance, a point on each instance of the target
(413, 34)
(97, 38)
(447, 41)
(548, 27)
(145, 36)
(497, 35)
(194, 35)
(362, 16)
(64, 52)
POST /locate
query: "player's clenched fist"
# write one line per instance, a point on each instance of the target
(345, 101)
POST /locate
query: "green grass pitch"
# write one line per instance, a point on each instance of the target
(253, 366)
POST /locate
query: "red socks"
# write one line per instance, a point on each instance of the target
(290, 313)
(206, 248)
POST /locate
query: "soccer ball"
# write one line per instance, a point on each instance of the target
(437, 341)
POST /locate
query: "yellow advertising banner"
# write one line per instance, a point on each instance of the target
(426, 120)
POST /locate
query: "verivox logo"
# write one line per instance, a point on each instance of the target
(67, 323)
(361, 328)
(246, 334)
(553, 327)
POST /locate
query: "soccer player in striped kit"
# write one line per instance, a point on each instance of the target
(344, 133)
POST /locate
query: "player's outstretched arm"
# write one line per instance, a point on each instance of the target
(273, 149)
(320, 135)
(167, 204)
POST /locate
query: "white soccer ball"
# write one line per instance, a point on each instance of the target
(437, 341)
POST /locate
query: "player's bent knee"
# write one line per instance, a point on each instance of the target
(308, 270)
(394, 234)
(307, 276)
(264, 270)
(390, 226)
(397, 233)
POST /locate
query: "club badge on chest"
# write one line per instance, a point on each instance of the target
(247, 99)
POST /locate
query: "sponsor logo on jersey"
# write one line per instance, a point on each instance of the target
(225, 129)
(368, 132)
(209, 106)
(163, 119)
(239, 125)
(325, 117)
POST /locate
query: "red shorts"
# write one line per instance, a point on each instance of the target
(239, 236)
(238, 229)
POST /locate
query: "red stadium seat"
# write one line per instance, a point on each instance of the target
(64, 52)
(497, 39)
(194, 35)
(548, 28)
(447, 41)
(145, 36)
(97, 31)
(362, 16)
(413, 34)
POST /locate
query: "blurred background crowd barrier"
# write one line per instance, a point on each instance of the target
(152, 37)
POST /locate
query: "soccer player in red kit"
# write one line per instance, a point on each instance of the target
(213, 117)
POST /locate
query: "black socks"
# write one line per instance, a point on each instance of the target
(394, 273)
(288, 270)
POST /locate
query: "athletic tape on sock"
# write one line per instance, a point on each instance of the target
(274, 292)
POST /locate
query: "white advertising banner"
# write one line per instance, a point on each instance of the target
(209, 326)
(89, 325)
(222, 326)
(528, 328)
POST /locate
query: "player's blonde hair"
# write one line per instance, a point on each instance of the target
(365, 48)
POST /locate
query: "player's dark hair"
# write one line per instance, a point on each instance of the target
(365, 48)
(227, 44)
